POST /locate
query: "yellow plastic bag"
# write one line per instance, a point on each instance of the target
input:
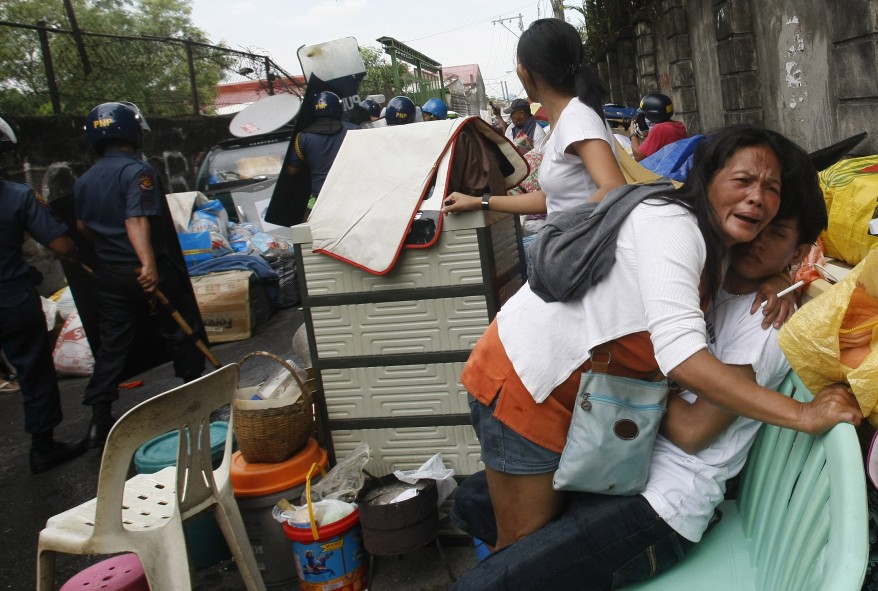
(851, 200)
(810, 340)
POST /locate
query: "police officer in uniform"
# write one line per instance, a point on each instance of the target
(400, 111)
(318, 144)
(118, 204)
(372, 107)
(435, 110)
(23, 335)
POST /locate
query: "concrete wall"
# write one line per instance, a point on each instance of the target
(815, 66)
(806, 69)
(853, 35)
(705, 65)
(793, 58)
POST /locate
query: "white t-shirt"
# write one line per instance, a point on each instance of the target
(685, 489)
(653, 286)
(563, 177)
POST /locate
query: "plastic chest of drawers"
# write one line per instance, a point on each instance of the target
(387, 351)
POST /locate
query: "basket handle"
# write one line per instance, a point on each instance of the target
(306, 394)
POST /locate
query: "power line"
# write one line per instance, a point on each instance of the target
(471, 24)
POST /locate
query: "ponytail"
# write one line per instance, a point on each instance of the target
(551, 49)
(589, 88)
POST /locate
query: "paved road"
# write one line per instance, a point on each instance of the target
(27, 500)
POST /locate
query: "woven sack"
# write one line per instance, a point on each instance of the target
(272, 430)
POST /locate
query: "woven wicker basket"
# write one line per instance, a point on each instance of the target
(268, 430)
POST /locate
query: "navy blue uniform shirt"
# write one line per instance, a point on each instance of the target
(119, 186)
(20, 212)
(320, 151)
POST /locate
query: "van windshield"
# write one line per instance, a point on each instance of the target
(246, 162)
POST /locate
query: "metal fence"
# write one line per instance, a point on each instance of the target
(49, 70)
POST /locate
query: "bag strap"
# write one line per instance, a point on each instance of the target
(600, 359)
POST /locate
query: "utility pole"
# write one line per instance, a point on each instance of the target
(558, 9)
(503, 21)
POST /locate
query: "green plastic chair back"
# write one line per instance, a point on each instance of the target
(800, 523)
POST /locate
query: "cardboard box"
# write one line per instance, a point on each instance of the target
(224, 301)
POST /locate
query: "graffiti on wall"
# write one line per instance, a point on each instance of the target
(794, 84)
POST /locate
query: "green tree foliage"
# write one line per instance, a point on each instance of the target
(142, 66)
(603, 20)
(379, 72)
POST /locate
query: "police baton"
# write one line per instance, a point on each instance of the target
(163, 300)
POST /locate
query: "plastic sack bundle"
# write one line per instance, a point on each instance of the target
(345, 479)
(849, 190)
(196, 246)
(212, 217)
(240, 236)
(834, 337)
(72, 355)
(325, 512)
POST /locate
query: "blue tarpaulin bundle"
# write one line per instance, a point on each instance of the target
(674, 160)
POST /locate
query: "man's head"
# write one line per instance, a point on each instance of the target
(372, 107)
(400, 111)
(518, 111)
(327, 104)
(656, 107)
(116, 124)
(435, 110)
(784, 242)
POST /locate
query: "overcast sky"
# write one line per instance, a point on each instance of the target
(452, 32)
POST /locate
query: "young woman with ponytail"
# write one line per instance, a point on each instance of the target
(579, 160)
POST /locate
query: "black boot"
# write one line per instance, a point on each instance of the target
(102, 421)
(46, 453)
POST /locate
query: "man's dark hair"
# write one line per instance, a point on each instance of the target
(800, 194)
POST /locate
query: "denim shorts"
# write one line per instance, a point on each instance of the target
(503, 449)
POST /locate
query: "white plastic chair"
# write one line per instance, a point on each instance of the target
(145, 514)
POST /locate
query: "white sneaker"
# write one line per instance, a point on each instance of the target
(9, 387)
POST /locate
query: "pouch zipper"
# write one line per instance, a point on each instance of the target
(585, 404)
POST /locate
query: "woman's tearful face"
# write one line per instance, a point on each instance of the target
(745, 193)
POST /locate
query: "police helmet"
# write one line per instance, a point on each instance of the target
(400, 110)
(372, 107)
(116, 120)
(7, 136)
(436, 107)
(656, 107)
(326, 104)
